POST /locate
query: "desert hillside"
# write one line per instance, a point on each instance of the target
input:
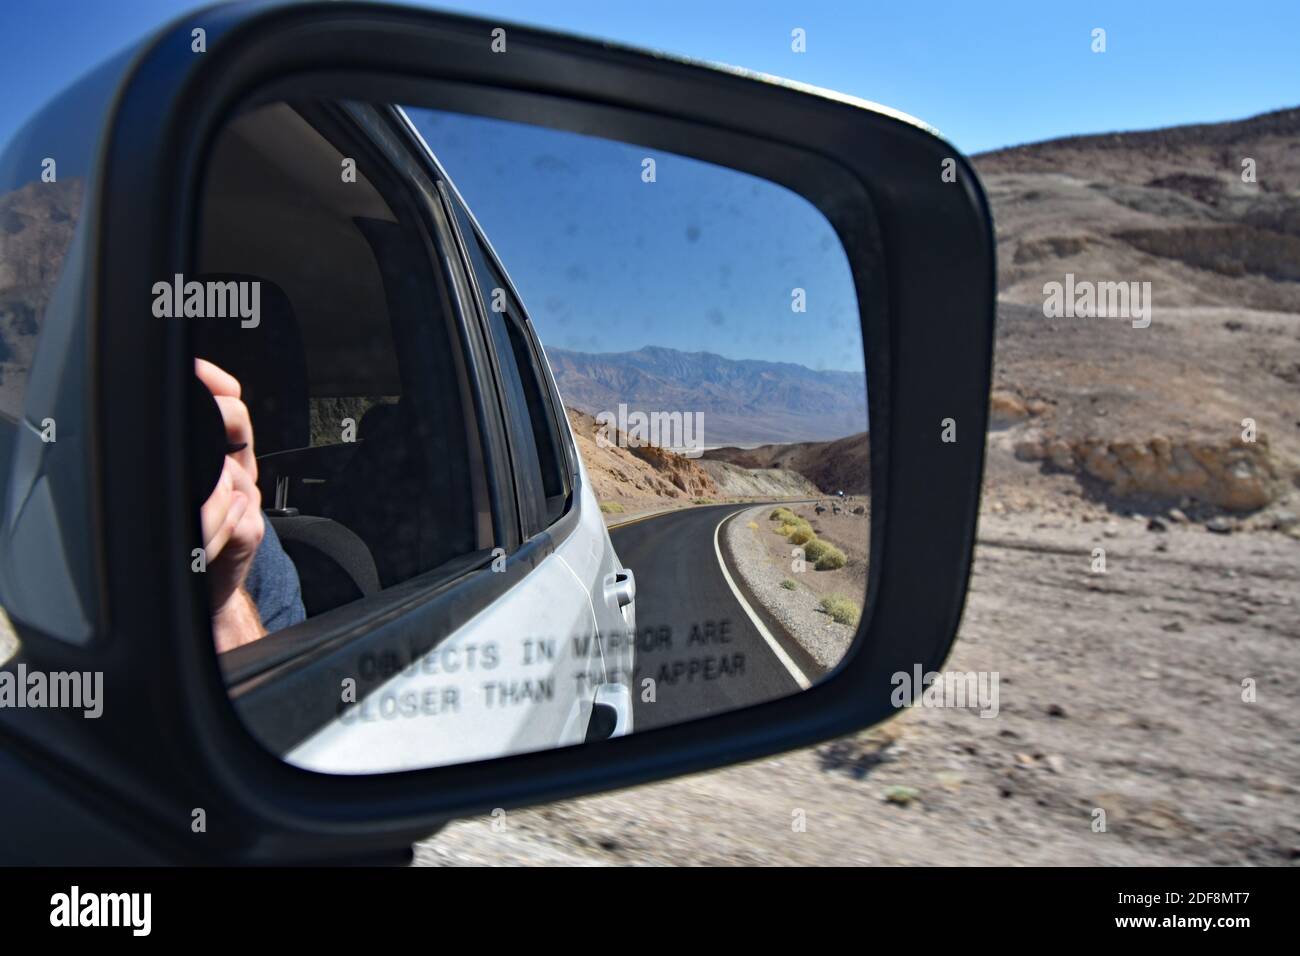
(632, 478)
(1198, 413)
(637, 475)
(1167, 206)
(831, 466)
(1096, 410)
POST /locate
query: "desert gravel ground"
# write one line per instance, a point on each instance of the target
(1120, 692)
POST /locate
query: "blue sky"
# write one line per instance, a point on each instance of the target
(702, 259)
(986, 75)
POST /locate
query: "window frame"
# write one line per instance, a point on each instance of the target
(456, 208)
(530, 496)
(559, 436)
(380, 128)
(553, 404)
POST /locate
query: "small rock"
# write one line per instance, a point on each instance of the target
(1178, 515)
(1029, 450)
(1228, 616)
(1060, 454)
(1219, 525)
(1162, 545)
(1285, 520)
(901, 795)
(1055, 710)
(1055, 763)
(1174, 627)
(950, 780)
(1155, 524)
(1025, 760)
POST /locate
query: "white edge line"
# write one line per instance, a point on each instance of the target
(798, 675)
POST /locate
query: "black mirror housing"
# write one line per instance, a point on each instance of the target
(921, 249)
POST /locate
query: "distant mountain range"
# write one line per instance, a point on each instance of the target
(744, 401)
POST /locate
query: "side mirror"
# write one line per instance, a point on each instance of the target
(364, 430)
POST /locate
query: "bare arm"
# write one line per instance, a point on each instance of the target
(237, 623)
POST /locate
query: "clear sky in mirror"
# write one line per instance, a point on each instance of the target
(704, 258)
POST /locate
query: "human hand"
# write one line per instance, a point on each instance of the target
(231, 518)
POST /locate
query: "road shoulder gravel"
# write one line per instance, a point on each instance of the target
(798, 611)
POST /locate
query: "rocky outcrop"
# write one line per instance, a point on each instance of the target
(647, 474)
(737, 482)
(831, 466)
(1007, 409)
(1236, 475)
(682, 473)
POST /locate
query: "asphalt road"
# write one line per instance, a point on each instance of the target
(694, 638)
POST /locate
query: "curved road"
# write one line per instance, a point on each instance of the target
(694, 638)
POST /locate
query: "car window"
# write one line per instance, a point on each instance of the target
(530, 366)
(540, 410)
(539, 458)
(368, 455)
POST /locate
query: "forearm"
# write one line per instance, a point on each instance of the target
(237, 623)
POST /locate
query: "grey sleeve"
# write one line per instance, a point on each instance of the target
(273, 584)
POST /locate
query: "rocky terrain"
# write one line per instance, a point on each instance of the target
(1154, 419)
(831, 466)
(1199, 411)
(637, 476)
(1168, 206)
(640, 477)
(735, 481)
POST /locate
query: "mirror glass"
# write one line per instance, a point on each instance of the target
(508, 438)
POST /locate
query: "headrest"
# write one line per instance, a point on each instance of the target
(381, 421)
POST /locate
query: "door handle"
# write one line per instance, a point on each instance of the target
(620, 588)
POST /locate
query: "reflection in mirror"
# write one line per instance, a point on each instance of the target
(521, 438)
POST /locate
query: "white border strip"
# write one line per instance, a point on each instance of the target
(798, 675)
